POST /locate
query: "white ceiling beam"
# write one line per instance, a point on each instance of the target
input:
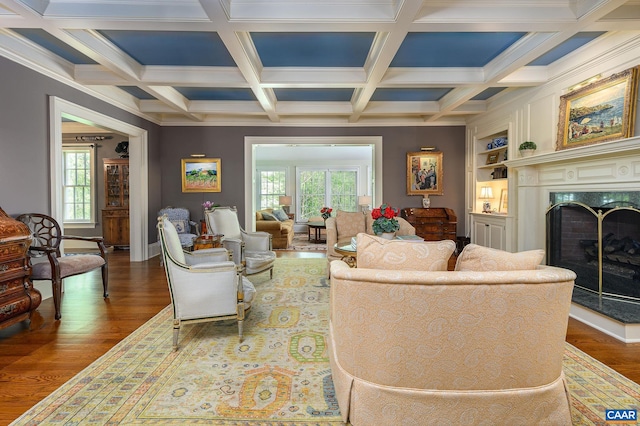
(382, 53)
(313, 77)
(243, 53)
(314, 108)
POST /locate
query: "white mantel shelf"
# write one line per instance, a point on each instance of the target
(601, 150)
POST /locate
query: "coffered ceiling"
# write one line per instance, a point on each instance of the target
(312, 62)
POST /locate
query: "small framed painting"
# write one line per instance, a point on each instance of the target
(492, 158)
(201, 175)
(424, 173)
(600, 112)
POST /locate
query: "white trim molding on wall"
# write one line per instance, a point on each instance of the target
(138, 154)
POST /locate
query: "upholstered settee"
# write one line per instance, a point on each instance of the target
(345, 225)
(280, 230)
(473, 346)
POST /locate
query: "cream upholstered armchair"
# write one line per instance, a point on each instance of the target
(204, 285)
(479, 345)
(251, 250)
(345, 225)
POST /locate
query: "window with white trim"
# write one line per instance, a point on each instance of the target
(316, 188)
(272, 183)
(78, 186)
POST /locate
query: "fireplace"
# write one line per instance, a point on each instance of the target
(577, 191)
(597, 235)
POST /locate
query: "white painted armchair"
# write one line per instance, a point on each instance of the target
(204, 285)
(251, 250)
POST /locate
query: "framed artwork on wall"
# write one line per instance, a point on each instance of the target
(600, 112)
(201, 175)
(424, 173)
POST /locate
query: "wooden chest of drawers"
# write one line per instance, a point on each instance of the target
(432, 224)
(18, 298)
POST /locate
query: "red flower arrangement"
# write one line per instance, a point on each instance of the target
(384, 219)
(325, 212)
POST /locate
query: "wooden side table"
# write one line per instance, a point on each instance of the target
(318, 227)
(206, 241)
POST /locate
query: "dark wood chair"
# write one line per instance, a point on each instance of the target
(47, 236)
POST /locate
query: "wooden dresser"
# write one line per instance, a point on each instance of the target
(433, 224)
(18, 298)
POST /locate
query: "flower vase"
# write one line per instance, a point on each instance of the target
(388, 235)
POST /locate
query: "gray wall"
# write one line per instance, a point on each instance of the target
(227, 143)
(24, 138)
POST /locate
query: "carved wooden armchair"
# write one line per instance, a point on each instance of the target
(47, 236)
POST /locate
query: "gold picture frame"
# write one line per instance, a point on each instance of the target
(600, 112)
(424, 173)
(504, 201)
(201, 175)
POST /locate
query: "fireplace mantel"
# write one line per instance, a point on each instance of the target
(601, 150)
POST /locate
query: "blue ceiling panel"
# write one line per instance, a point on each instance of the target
(136, 92)
(452, 49)
(415, 95)
(314, 95)
(487, 93)
(54, 45)
(186, 48)
(209, 94)
(568, 46)
(312, 49)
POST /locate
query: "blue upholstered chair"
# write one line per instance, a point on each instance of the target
(181, 220)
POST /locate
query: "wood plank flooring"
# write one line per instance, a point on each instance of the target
(36, 358)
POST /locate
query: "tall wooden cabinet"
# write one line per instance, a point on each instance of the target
(115, 215)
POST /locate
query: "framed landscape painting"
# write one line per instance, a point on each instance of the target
(201, 175)
(600, 112)
(424, 173)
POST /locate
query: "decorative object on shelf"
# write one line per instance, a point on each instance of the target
(492, 158)
(486, 193)
(499, 173)
(424, 173)
(325, 212)
(384, 219)
(123, 149)
(527, 148)
(600, 112)
(364, 201)
(285, 201)
(426, 202)
(201, 175)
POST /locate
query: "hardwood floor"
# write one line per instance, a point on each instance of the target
(36, 358)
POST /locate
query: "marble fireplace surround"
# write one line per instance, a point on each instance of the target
(609, 166)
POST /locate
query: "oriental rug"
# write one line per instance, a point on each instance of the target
(301, 243)
(279, 375)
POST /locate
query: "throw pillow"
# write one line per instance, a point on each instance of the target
(280, 215)
(479, 258)
(378, 253)
(182, 227)
(349, 224)
(269, 216)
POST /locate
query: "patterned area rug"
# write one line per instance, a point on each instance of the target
(279, 375)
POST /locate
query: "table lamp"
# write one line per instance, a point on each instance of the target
(486, 193)
(364, 201)
(285, 201)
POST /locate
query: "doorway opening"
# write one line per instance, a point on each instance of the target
(60, 109)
